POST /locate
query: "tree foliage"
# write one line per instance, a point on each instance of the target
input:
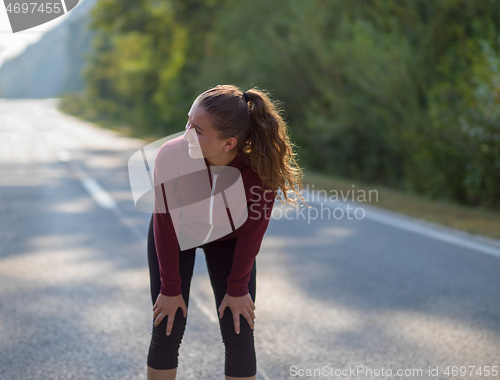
(403, 93)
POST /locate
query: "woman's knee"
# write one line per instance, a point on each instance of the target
(240, 358)
(164, 349)
(229, 336)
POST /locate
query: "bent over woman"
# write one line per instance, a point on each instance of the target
(215, 188)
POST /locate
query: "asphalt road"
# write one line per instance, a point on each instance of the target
(336, 297)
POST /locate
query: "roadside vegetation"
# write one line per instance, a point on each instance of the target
(402, 96)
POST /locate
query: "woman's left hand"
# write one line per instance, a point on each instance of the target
(239, 305)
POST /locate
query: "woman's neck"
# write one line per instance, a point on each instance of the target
(225, 161)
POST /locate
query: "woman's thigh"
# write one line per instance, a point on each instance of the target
(186, 266)
(240, 348)
(219, 258)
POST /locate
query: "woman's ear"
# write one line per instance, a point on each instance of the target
(230, 143)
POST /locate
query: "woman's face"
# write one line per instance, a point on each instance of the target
(202, 137)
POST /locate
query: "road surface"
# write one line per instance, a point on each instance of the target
(337, 297)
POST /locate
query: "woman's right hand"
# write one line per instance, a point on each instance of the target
(167, 306)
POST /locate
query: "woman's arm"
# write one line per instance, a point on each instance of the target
(249, 240)
(167, 245)
(248, 244)
(167, 249)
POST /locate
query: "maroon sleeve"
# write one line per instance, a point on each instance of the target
(250, 235)
(167, 245)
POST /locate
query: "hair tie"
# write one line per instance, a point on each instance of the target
(245, 95)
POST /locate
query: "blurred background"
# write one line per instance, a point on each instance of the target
(399, 97)
(401, 94)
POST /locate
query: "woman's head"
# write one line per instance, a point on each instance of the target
(204, 139)
(253, 128)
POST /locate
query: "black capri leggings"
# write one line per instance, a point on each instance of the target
(240, 360)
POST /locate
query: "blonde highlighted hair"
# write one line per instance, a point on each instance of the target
(262, 136)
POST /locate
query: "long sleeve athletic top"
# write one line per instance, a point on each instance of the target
(175, 189)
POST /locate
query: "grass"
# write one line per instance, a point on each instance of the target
(469, 219)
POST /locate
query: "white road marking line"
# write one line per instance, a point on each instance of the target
(205, 310)
(440, 235)
(96, 191)
(263, 374)
(415, 226)
(101, 196)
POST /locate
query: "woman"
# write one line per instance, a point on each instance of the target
(241, 142)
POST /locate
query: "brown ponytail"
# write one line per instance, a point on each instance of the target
(262, 136)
